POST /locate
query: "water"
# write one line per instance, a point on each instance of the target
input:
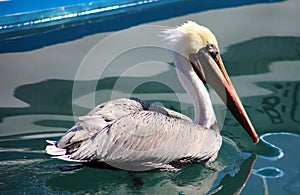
(48, 79)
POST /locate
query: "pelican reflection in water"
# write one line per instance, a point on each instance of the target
(134, 135)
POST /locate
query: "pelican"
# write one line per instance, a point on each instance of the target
(133, 135)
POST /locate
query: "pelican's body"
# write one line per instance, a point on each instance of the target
(133, 135)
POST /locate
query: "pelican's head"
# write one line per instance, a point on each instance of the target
(189, 38)
(200, 49)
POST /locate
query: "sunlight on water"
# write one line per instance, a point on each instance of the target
(278, 150)
(272, 172)
(269, 172)
(275, 148)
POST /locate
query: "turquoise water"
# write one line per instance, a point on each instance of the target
(49, 79)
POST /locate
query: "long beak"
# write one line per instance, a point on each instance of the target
(215, 74)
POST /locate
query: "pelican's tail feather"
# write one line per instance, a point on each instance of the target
(59, 153)
(53, 150)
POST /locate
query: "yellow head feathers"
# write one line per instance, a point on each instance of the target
(189, 37)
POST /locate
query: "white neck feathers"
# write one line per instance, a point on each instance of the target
(178, 43)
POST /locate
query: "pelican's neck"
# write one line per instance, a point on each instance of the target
(204, 113)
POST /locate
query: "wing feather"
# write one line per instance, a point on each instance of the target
(97, 119)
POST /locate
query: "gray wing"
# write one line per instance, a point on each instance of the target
(106, 114)
(97, 119)
(133, 135)
(147, 140)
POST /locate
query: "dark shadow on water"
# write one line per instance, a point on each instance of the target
(48, 97)
(235, 184)
(55, 96)
(282, 106)
(255, 55)
(89, 180)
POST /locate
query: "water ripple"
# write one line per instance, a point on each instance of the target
(21, 162)
(269, 172)
(279, 152)
(272, 171)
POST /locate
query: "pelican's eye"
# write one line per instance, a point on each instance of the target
(212, 49)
